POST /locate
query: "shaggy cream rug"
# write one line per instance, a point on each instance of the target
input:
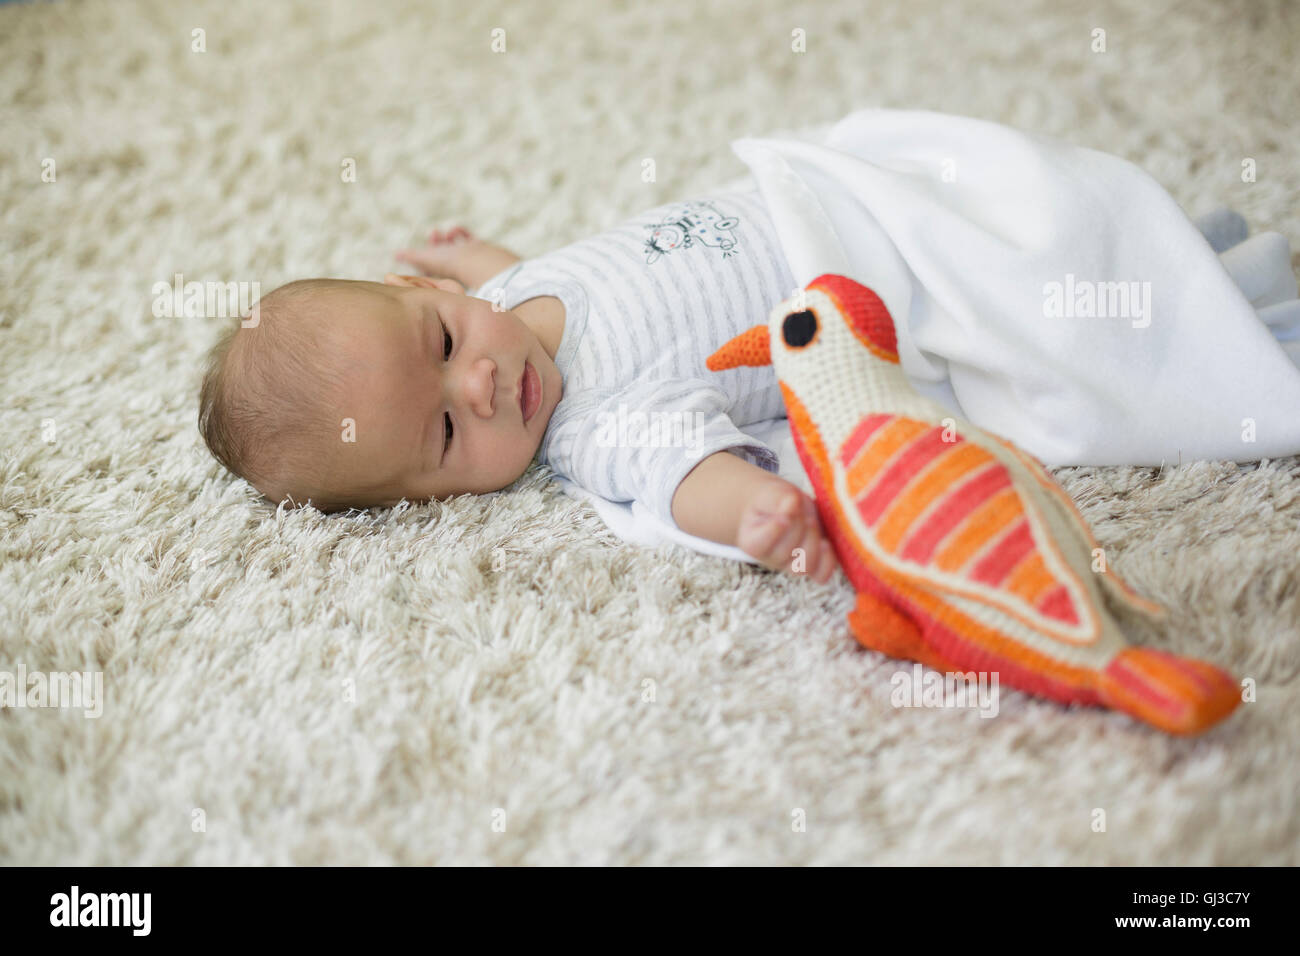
(497, 679)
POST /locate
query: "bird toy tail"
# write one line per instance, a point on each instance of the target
(1180, 695)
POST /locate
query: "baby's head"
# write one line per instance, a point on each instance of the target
(358, 394)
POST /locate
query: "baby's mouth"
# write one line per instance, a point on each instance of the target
(529, 392)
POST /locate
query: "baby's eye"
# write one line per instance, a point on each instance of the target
(446, 344)
(447, 433)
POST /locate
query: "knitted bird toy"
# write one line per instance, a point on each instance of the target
(965, 553)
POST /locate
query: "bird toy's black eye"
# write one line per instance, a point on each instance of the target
(799, 328)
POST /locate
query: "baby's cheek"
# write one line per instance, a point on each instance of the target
(507, 459)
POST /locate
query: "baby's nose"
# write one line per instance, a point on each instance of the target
(481, 385)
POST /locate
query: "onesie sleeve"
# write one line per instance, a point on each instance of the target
(638, 443)
(487, 288)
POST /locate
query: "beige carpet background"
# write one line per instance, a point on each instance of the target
(497, 679)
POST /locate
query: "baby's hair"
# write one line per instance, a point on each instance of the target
(262, 404)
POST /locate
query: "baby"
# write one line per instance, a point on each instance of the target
(591, 358)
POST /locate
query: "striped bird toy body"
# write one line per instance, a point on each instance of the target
(966, 554)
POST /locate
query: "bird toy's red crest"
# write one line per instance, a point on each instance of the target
(867, 315)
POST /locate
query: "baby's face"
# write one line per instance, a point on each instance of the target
(447, 395)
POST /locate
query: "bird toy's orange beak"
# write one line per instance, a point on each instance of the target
(752, 347)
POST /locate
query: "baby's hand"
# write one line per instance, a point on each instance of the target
(444, 251)
(779, 519)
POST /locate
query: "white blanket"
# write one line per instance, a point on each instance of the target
(1055, 295)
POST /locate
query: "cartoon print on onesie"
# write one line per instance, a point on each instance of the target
(691, 222)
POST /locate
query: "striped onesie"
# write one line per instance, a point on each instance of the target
(645, 304)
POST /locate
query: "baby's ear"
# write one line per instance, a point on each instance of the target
(428, 282)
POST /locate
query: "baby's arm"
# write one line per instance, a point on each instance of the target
(458, 255)
(726, 499)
